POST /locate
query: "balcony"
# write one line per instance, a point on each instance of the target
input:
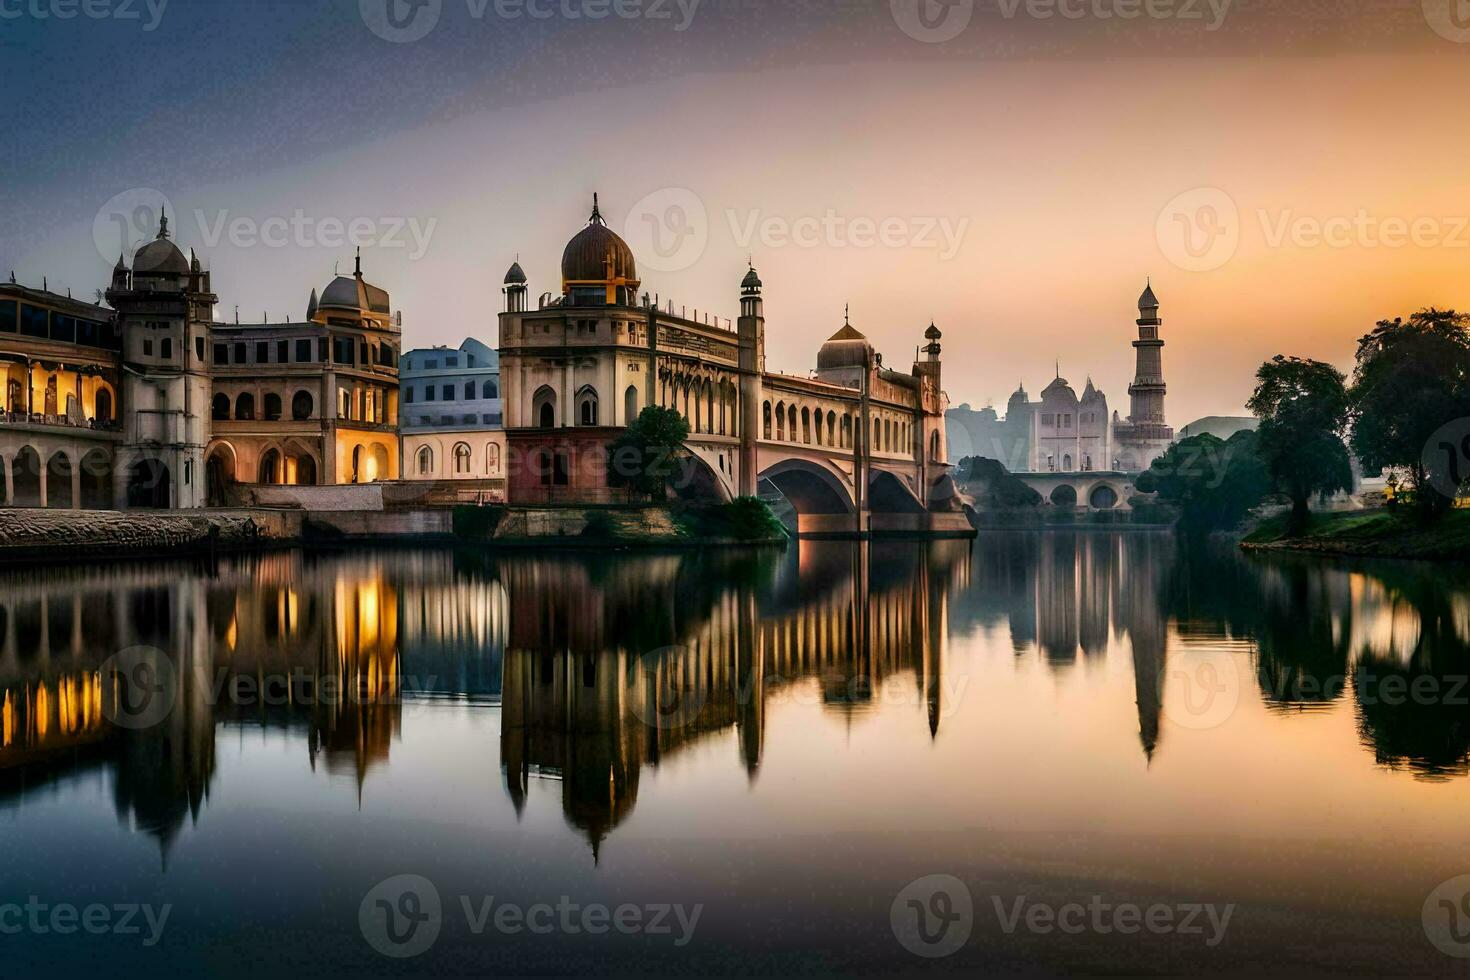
(40, 419)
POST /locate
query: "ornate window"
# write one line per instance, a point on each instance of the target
(461, 459)
(426, 461)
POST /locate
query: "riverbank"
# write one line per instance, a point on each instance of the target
(28, 535)
(1381, 533)
(738, 523)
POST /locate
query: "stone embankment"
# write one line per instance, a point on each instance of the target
(41, 535)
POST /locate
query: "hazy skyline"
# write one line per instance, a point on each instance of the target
(1023, 224)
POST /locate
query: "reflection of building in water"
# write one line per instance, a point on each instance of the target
(605, 674)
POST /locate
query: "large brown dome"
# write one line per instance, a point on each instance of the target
(597, 254)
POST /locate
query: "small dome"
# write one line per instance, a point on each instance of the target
(751, 280)
(516, 276)
(352, 293)
(933, 332)
(160, 257)
(846, 348)
(1148, 301)
(1059, 387)
(597, 254)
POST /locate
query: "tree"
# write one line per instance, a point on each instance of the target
(1412, 377)
(993, 486)
(1213, 482)
(647, 453)
(1303, 407)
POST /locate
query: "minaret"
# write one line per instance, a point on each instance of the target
(752, 333)
(1148, 388)
(515, 288)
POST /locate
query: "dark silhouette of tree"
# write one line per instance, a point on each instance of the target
(647, 453)
(1412, 377)
(993, 486)
(1302, 405)
(1213, 483)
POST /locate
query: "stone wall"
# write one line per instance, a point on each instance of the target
(51, 534)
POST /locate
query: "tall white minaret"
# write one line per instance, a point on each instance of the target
(1148, 389)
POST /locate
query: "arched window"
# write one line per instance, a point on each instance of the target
(301, 405)
(543, 407)
(1067, 463)
(426, 461)
(780, 421)
(587, 406)
(806, 425)
(469, 391)
(766, 420)
(934, 453)
(791, 421)
(103, 409)
(630, 404)
(272, 407)
(831, 428)
(245, 406)
(461, 459)
(489, 390)
(270, 467)
(492, 458)
(220, 411)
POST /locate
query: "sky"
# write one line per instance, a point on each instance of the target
(1287, 172)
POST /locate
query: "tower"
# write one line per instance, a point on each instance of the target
(164, 307)
(751, 330)
(1148, 388)
(515, 288)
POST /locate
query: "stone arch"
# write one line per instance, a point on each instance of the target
(780, 421)
(1065, 495)
(492, 458)
(1103, 497)
(766, 419)
(302, 469)
(462, 459)
(696, 480)
(381, 469)
(302, 405)
(96, 469)
(791, 421)
(26, 473)
(887, 494)
(543, 407)
(630, 404)
(424, 461)
(102, 405)
(58, 481)
(219, 474)
(245, 406)
(220, 408)
(271, 468)
(271, 409)
(811, 487)
(587, 407)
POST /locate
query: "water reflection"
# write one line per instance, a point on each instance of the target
(604, 667)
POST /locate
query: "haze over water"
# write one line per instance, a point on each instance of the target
(787, 740)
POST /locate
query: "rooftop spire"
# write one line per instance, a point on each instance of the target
(162, 221)
(357, 270)
(596, 218)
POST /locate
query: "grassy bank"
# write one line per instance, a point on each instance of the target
(1374, 533)
(742, 521)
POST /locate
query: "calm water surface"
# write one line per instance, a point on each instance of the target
(785, 741)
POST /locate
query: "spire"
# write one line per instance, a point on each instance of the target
(357, 271)
(162, 221)
(311, 306)
(846, 314)
(193, 261)
(596, 218)
(120, 267)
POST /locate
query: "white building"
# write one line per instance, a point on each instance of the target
(451, 414)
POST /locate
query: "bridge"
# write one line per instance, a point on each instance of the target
(1093, 490)
(856, 448)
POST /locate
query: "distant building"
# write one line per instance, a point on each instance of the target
(1219, 426)
(451, 413)
(1065, 433)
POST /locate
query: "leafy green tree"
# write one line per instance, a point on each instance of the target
(1412, 377)
(993, 486)
(1303, 408)
(1213, 482)
(647, 454)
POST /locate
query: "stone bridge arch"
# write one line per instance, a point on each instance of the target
(820, 494)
